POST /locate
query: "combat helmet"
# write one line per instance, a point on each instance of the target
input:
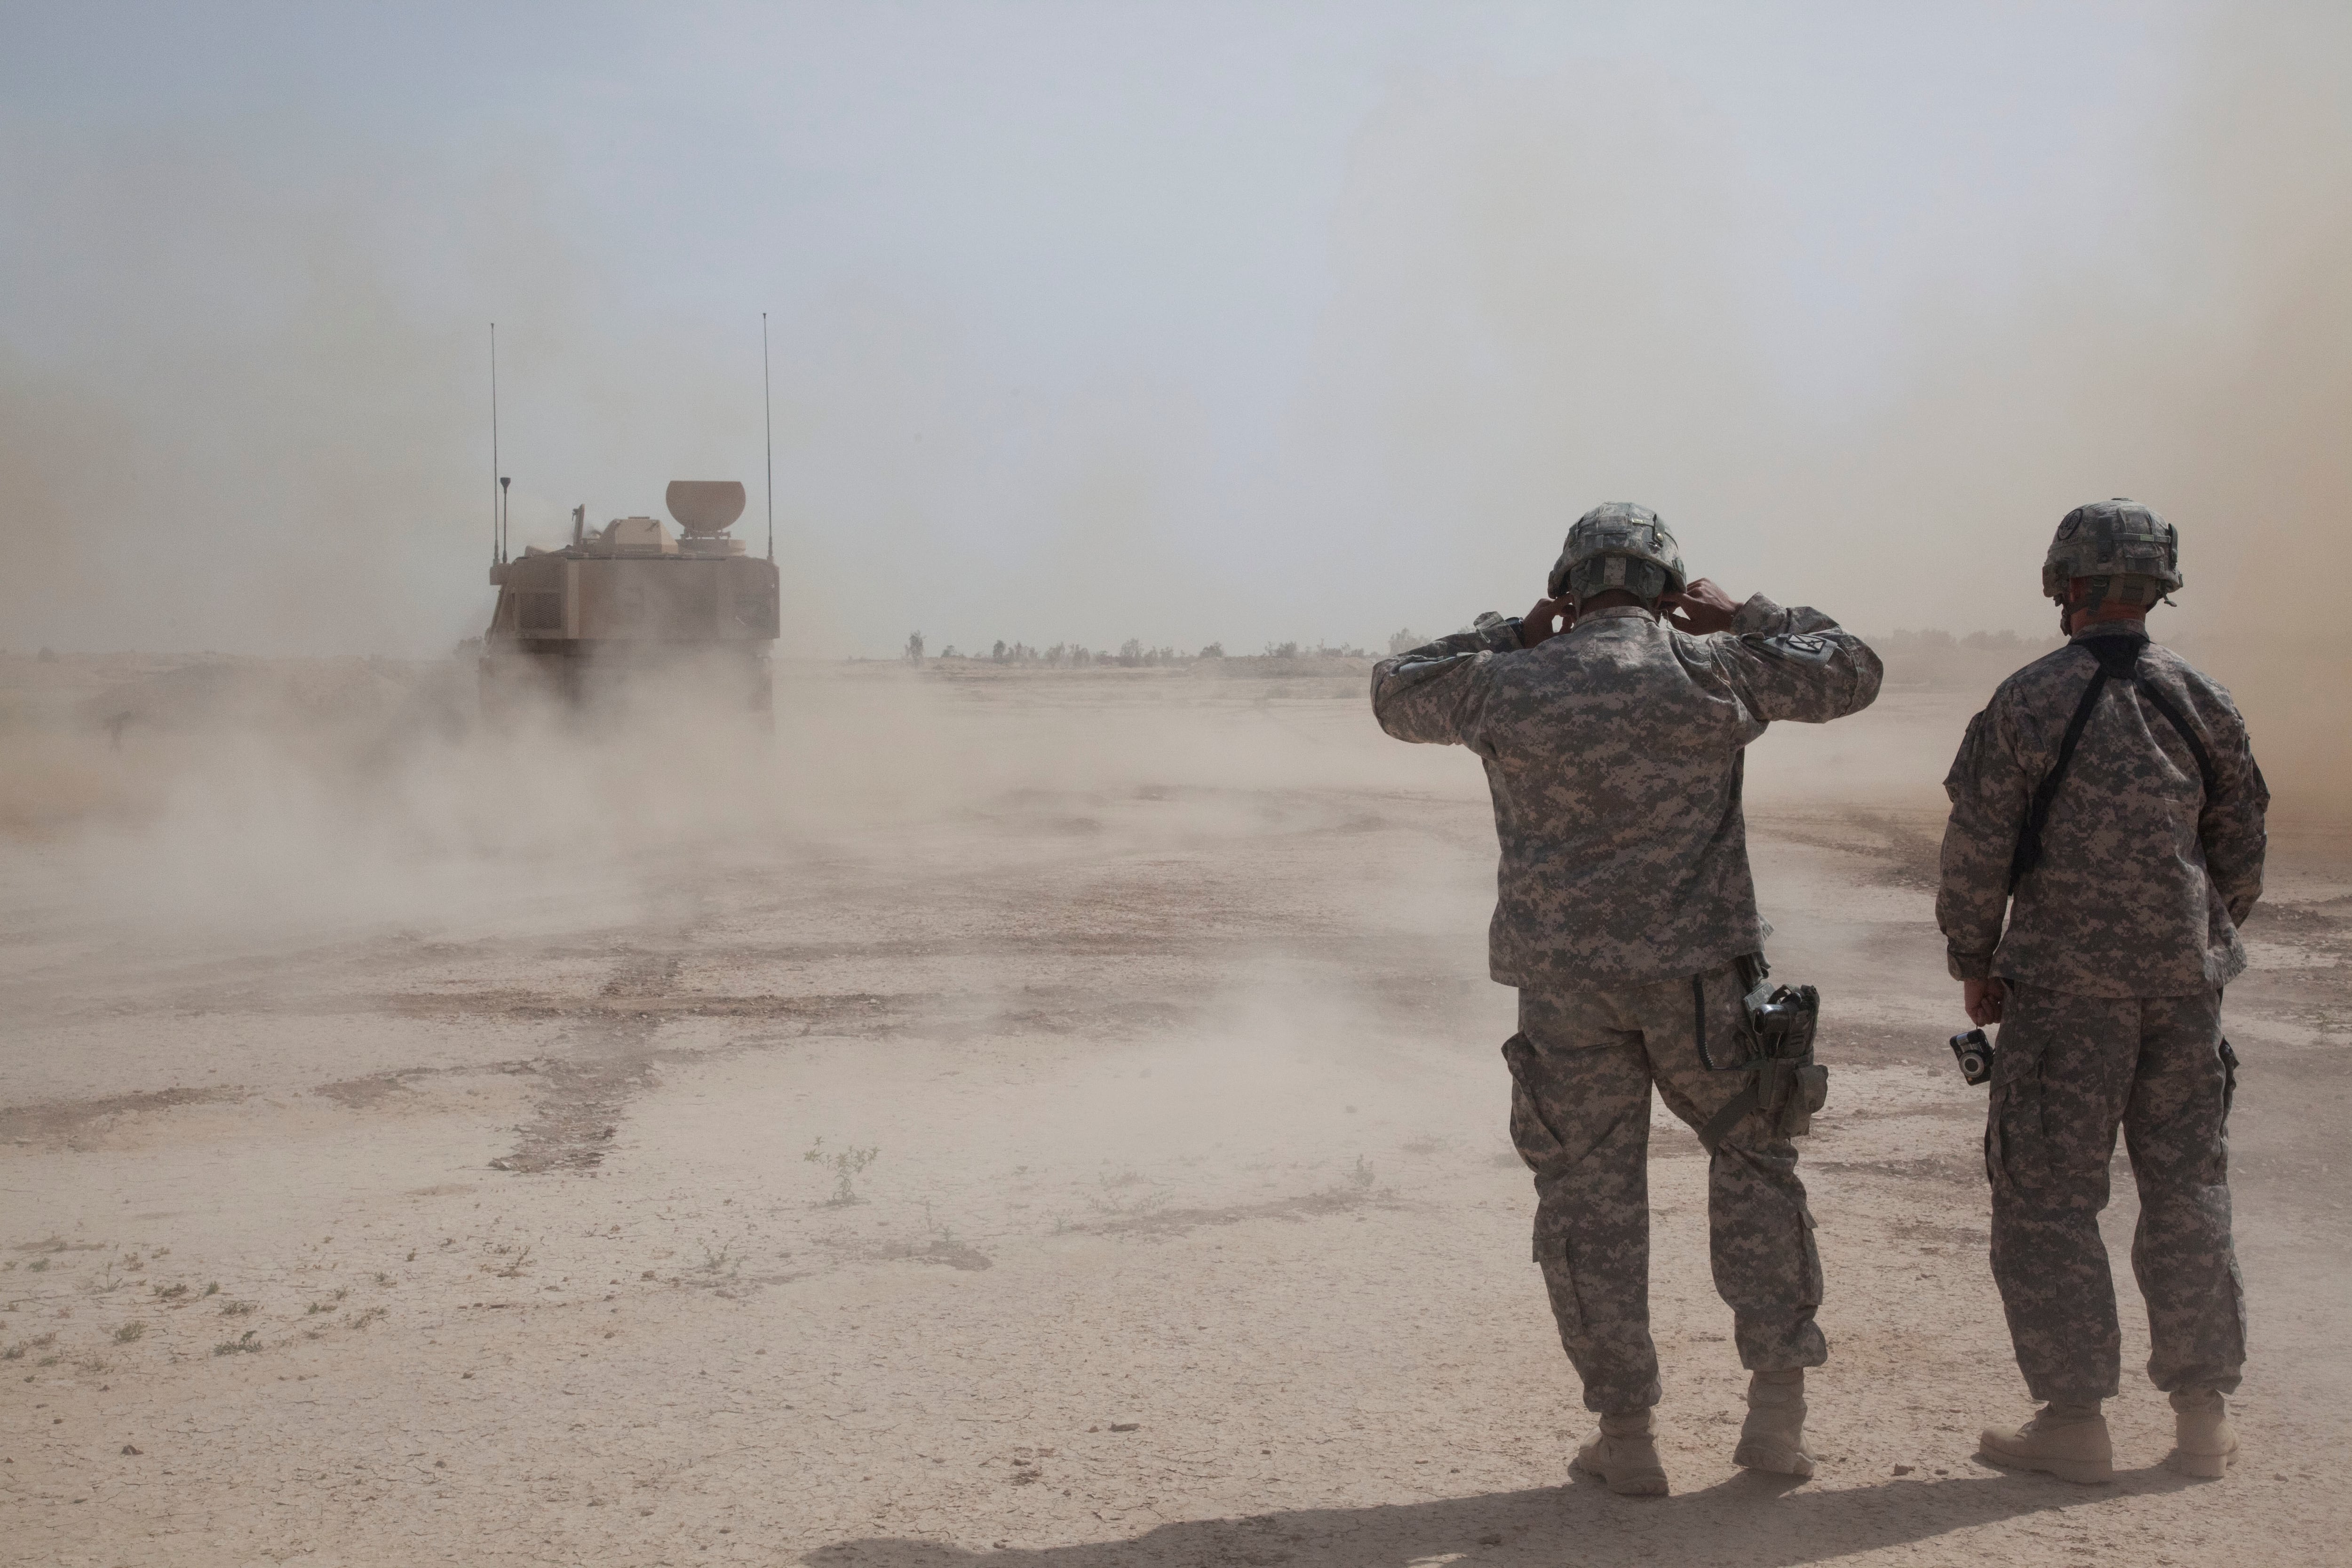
(1618, 544)
(2130, 555)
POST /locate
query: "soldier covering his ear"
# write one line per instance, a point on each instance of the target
(1626, 916)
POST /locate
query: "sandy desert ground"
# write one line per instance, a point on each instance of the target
(406, 1155)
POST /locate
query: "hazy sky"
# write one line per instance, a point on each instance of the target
(1181, 322)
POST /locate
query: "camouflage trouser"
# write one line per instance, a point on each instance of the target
(2067, 1071)
(1581, 1067)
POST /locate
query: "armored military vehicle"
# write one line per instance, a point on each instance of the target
(631, 599)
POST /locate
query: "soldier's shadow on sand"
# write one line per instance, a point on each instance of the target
(1752, 1520)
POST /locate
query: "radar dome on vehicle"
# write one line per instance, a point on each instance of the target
(704, 507)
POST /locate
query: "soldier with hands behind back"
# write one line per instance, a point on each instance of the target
(1626, 918)
(2106, 804)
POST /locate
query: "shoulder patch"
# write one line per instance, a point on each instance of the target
(1803, 648)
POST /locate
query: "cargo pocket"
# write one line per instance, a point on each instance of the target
(1809, 1283)
(1544, 1152)
(2229, 1080)
(2017, 1154)
(1808, 1091)
(1531, 1135)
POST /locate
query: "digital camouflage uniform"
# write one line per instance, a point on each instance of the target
(1615, 754)
(2116, 947)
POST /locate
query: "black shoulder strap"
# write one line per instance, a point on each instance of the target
(2119, 657)
(2163, 705)
(2028, 854)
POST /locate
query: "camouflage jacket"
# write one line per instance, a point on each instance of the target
(1615, 754)
(2145, 872)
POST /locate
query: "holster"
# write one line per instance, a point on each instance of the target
(1784, 1082)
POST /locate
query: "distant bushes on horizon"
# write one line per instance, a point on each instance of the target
(1132, 654)
(1928, 657)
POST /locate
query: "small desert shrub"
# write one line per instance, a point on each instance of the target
(845, 1166)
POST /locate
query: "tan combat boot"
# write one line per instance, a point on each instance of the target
(1624, 1454)
(1773, 1440)
(2204, 1443)
(2069, 1441)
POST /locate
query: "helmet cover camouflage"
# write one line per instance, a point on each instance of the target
(2131, 555)
(1618, 544)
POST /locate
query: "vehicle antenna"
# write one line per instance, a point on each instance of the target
(768, 418)
(497, 540)
(503, 483)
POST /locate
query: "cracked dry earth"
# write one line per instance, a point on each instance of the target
(549, 1231)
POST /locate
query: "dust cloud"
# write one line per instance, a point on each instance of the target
(2206, 367)
(1154, 998)
(1538, 296)
(1541, 300)
(1537, 299)
(252, 800)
